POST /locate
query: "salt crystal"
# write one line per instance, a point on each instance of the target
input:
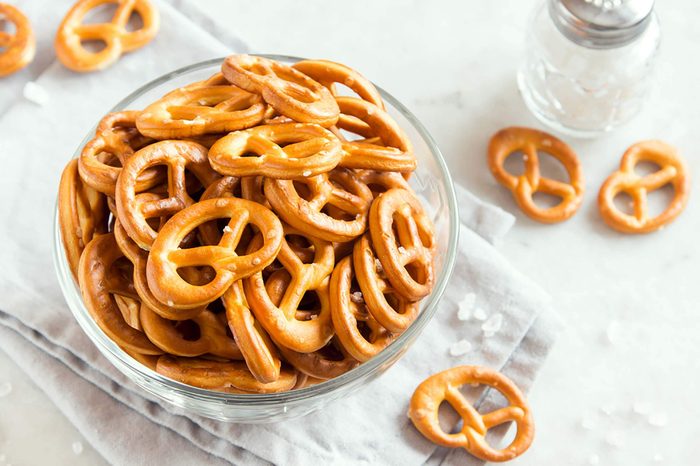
(357, 298)
(313, 317)
(614, 439)
(594, 459)
(35, 93)
(493, 324)
(221, 202)
(256, 261)
(546, 142)
(658, 458)
(588, 423)
(77, 448)
(402, 250)
(607, 409)
(479, 314)
(228, 229)
(612, 333)
(5, 389)
(306, 173)
(170, 303)
(378, 266)
(659, 419)
(465, 306)
(272, 234)
(525, 158)
(641, 407)
(460, 348)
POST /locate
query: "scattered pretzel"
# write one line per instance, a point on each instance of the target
(444, 386)
(18, 49)
(672, 171)
(115, 35)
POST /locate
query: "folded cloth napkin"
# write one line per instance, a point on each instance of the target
(129, 426)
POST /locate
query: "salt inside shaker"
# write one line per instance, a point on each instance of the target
(588, 67)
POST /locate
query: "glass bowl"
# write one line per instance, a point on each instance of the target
(432, 183)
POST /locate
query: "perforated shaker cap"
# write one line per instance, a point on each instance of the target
(601, 24)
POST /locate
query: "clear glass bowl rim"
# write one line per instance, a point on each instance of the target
(80, 312)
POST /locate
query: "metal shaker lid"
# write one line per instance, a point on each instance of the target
(601, 23)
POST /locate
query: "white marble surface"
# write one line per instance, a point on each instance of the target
(630, 304)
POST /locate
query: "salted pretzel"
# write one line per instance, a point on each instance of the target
(16, 50)
(134, 210)
(207, 334)
(382, 181)
(116, 139)
(339, 189)
(130, 309)
(327, 363)
(289, 91)
(230, 376)
(530, 141)
(82, 214)
(166, 257)
(351, 316)
(444, 386)
(403, 238)
(99, 280)
(392, 151)
(389, 308)
(259, 352)
(115, 35)
(253, 189)
(199, 110)
(673, 171)
(330, 73)
(281, 321)
(285, 150)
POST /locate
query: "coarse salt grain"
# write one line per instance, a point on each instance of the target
(306, 173)
(402, 250)
(466, 305)
(77, 447)
(35, 93)
(5, 389)
(228, 229)
(493, 324)
(256, 261)
(607, 409)
(378, 266)
(356, 297)
(170, 303)
(460, 348)
(479, 314)
(659, 419)
(221, 202)
(313, 317)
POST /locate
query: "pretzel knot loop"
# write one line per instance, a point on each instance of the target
(530, 141)
(672, 170)
(444, 386)
(18, 49)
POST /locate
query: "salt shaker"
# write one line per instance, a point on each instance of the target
(588, 67)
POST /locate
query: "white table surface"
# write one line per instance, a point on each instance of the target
(630, 304)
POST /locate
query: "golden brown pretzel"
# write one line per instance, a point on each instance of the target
(82, 214)
(130, 309)
(115, 35)
(350, 315)
(326, 363)
(148, 360)
(281, 321)
(116, 139)
(403, 238)
(207, 334)
(134, 210)
(16, 50)
(388, 307)
(523, 187)
(393, 150)
(380, 181)
(166, 257)
(231, 377)
(259, 352)
(672, 171)
(339, 189)
(99, 280)
(288, 91)
(228, 186)
(329, 73)
(444, 386)
(253, 189)
(201, 109)
(308, 150)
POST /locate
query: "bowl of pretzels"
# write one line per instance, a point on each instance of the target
(252, 237)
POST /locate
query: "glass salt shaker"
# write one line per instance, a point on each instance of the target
(588, 67)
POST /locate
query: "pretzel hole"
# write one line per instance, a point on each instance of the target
(417, 272)
(303, 190)
(545, 200)
(8, 27)
(188, 330)
(624, 203)
(310, 302)
(93, 45)
(448, 418)
(302, 247)
(100, 14)
(135, 22)
(217, 307)
(552, 168)
(338, 214)
(197, 276)
(645, 167)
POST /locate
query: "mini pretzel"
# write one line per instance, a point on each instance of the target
(308, 150)
(178, 156)
(381, 181)
(82, 214)
(329, 73)
(166, 257)
(205, 109)
(350, 314)
(99, 280)
(530, 141)
(259, 351)
(389, 308)
(404, 241)
(392, 151)
(253, 189)
(281, 320)
(16, 50)
(288, 91)
(116, 139)
(327, 363)
(444, 386)
(231, 377)
(339, 189)
(116, 37)
(672, 171)
(211, 337)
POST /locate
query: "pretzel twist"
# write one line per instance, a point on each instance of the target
(672, 171)
(444, 386)
(523, 187)
(115, 35)
(326, 363)
(18, 49)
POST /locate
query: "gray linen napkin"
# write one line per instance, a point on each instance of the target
(127, 425)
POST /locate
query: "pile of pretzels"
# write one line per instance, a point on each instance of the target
(253, 232)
